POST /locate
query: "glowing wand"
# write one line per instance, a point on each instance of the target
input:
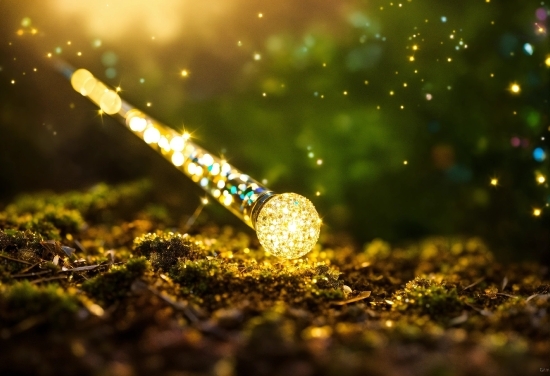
(287, 224)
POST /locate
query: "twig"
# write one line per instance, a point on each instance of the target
(363, 295)
(535, 295)
(31, 274)
(483, 311)
(473, 284)
(49, 279)
(30, 267)
(81, 268)
(14, 259)
(508, 295)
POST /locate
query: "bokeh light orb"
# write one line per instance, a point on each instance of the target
(79, 78)
(288, 225)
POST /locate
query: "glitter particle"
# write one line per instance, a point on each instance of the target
(515, 88)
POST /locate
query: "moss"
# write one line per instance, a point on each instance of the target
(439, 296)
(223, 282)
(100, 203)
(115, 284)
(13, 241)
(425, 296)
(50, 302)
(165, 249)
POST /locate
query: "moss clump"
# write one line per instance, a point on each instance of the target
(165, 249)
(12, 241)
(103, 202)
(23, 300)
(425, 296)
(114, 284)
(221, 282)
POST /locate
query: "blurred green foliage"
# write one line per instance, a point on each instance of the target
(393, 117)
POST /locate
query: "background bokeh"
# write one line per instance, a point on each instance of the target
(399, 120)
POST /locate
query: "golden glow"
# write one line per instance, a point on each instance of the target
(537, 212)
(79, 78)
(177, 143)
(494, 182)
(515, 88)
(185, 73)
(110, 102)
(207, 160)
(165, 20)
(137, 124)
(541, 178)
(288, 225)
(227, 200)
(151, 135)
(164, 145)
(547, 61)
(177, 159)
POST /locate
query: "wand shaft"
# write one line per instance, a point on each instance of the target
(235, 190)
(287, 224)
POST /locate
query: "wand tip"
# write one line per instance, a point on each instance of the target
(288, 225)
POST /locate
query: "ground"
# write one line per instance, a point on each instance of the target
(102, 282)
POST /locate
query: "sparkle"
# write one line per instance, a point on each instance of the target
(260, 15)
(319, 162)
(494, 182)
(541, 178)
(515, 88)
(537, 212)
(185, 73)
(257, 56)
